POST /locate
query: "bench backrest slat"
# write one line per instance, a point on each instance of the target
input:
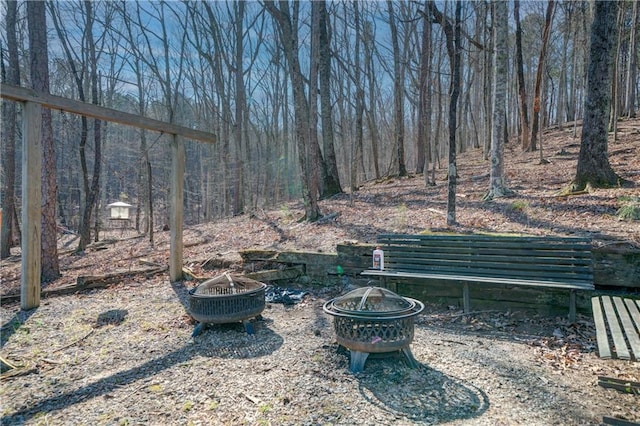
(541, 258)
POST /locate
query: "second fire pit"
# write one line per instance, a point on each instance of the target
(226, 299)
(373, 320)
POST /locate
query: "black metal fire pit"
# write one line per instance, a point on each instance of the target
(373, 320)
(226, 299)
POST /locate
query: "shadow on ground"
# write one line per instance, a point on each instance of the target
(422, 394)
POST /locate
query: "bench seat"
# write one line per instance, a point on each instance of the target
(547, 262)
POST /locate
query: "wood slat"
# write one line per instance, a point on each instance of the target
(616, 332)
(601, 329)
(628, 327)
(477, 279)
(614, 421)
(634, 311)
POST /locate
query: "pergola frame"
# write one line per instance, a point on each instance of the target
(31, 243)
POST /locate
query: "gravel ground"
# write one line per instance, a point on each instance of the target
(125, 356)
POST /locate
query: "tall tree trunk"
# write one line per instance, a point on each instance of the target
(91, 189)
(522, 90)
(39, 60)
(398, 92)
(424, 106)
(615, 80)
(369, 46)
(454, 50)
(306, 152)
(539, 74)
(359, 104)
(497, 186)
(238, 201)
(9, 133)
(332, 184)
(314, 61)
(593, 167)
(632, 65)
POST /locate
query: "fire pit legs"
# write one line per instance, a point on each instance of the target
(358, 359)
(356, 365)
(201, 326)
(199, 329)
(248, 327)
(409, 357)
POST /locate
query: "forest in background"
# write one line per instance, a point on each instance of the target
(307, 99)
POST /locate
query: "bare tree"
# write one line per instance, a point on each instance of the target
(424, 154)
(546, 32)
(88, 66)
(522, 90)
(632, 65)
(39, 60)
(286, 23)
(9, 112)
(332, 184)
(398, 92)
(593, 167)
(497, 185)
(453, 36)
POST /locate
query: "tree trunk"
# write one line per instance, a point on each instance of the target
(632, 67)
(9, 111)
(539, 74)
(593, 167)
(398, 92)
(359, 104)
(238, 200)
(424, 106)
(454, 50)
(497, 186)
(39, 60)
(289, 39)
(91, 190)
(522, 90)
(332, 184)
(369, 46)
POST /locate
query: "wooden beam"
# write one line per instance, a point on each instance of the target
(22, 94)
(31, 205)
(177, 209)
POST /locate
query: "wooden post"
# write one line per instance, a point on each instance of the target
(31, 205)
(466, 300)
(572, 306)
(177, 209)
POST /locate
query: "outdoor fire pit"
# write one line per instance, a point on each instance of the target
(373, 320)
(226, 299)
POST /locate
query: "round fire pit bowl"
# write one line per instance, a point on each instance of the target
(373, 320)
(226, 299)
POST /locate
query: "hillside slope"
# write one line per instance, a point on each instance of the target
(400, 205)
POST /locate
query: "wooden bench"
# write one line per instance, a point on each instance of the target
(552, 262)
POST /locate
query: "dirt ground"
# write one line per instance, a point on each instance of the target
(124, 355)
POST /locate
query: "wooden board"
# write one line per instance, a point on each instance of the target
(634, 311)
(616, 332)
(627, 324)
(601, 329)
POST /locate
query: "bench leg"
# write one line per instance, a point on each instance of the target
(572, 306)
(466, 303)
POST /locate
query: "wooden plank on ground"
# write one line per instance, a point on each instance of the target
(614, 421)
(601, 329)
(634, 311)
(627, 386)
(616, 332)
(629, 329)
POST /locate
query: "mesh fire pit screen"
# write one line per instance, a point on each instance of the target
(226, 299)
(373, 320)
